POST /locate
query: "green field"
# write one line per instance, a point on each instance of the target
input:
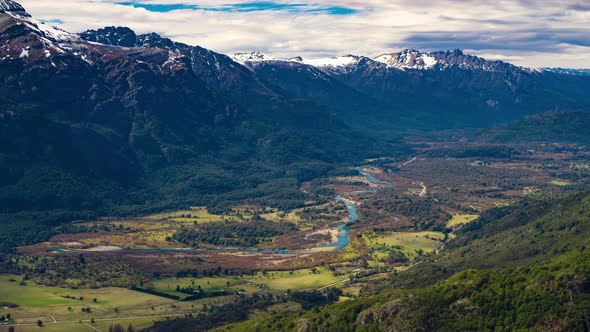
(290, 216)
(208, 284)
(459, 219)
(273, 280)
(410, 240)
(195, 214)
(295, 280)
(64, 305)
(410, 243)
(101, 325)
(65, 327)
(560, 183)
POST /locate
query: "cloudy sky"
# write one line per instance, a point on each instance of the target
(536, 33)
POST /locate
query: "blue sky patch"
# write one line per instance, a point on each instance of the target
(335, 10)
(244, 7)
(53, 21)
(160, 8)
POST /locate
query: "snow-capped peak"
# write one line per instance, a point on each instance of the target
(408, 59)
(251, 57)
(52, 33)
(325, 63)
(11, 6)
(339, 61)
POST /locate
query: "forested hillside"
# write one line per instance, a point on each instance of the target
(513, 269)
(552, 126)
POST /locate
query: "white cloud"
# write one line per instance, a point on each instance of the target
(525, 32)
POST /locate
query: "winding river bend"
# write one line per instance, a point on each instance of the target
(342, 229)
(343, 236)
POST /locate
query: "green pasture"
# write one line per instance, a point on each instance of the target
(461, 219)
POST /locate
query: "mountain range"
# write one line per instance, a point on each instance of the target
(109, 121)
(408, 84)
(465, 89)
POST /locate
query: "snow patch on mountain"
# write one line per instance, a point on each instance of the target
(175, 60)
(339, 61)
(24, 53)
(408, 59)
(568, 71)
(52, 33)
(48, 40)
(256, 56)
(429, 61)
(11, 6)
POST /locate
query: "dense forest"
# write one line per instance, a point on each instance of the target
(232, 234)
(423, 212)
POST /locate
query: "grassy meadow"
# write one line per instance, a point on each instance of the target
(48, 304)
(274, 281)
(411, 244)
(461, 219)
(61, 309)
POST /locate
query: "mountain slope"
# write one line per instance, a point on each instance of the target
(555, 127)
(92, 112)
(307, 82)
(531, 233)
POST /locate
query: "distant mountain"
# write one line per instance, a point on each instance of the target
(567, 71)
(310, 82)
(409, 88)
(414, 59)
(404, 60)
(437, 89)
